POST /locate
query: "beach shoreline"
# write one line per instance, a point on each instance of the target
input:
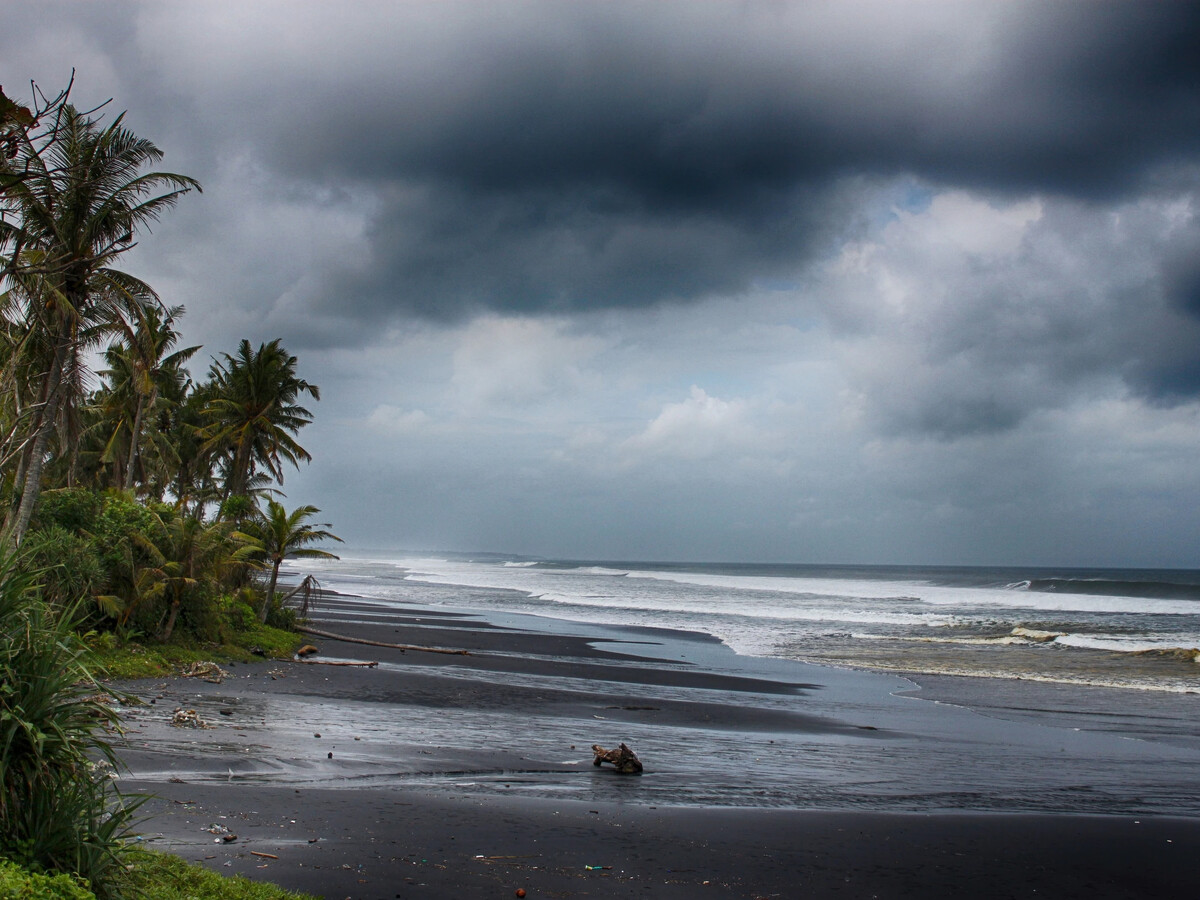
(470, 776)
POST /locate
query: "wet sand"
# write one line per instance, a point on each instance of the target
(470, 776)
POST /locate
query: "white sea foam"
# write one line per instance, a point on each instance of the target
(563, 593)
(782, 614)
(1014, 596)
(1124, 644)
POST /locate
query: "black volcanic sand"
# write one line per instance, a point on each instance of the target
(446, 776)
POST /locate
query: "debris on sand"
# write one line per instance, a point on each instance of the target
(187, 718)
(209, 671)
(624, 759)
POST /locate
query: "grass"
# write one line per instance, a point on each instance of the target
(131, 659)
(161, 876)
(151, 876)
(17, 883)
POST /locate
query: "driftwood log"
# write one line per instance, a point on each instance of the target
(338, 662)
(401, 647)
(622, 757)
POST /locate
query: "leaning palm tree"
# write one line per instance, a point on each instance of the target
(253, 414)
(277, 535)
(75, 196)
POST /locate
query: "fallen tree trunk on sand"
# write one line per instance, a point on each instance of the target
(400, 647)
(336, 662)
(622, 757)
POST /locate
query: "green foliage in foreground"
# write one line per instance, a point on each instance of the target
(152, 876)
(17, 883)
(161, 876)
(59, 812)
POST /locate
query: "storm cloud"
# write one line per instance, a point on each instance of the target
(816, 268)
(546, 155)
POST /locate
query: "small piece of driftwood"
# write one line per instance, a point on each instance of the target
(622, 757)
(401, 647)
(337, 662)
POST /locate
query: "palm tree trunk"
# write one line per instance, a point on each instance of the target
(135, 431)
(22, 465)
(26, 450)
(16, 524)
(270, 597)
(15, 529)
(239, 476)
(169, 627)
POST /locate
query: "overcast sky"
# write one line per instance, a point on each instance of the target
(752, 281)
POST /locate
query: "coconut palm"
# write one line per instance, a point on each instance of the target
(190, 552)
(189, 473)
(142, 379)
(74, 199)
(253, 414)
(277, 535)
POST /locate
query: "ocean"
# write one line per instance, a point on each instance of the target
(1124, 628)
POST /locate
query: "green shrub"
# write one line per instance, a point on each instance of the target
(237, 609)
(120, 518)
(282, 617)
(17, 883)
(59, 812)
(200, 615)
(67, 564)
(75, 509)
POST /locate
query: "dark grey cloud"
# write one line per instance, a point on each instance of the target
(585, 156)
(556, 156)
(450, 251)
(560, 157)
(701, 106)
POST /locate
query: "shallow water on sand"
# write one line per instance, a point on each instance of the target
(774, 733)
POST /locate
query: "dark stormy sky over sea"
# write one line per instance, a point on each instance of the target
(911, 282)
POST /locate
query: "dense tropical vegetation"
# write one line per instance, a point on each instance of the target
(131, 493)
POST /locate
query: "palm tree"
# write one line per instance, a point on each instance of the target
(189, 473)
(141, 376)
(189, 553)
(277, 535)
(253, 414)
(73, 201)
